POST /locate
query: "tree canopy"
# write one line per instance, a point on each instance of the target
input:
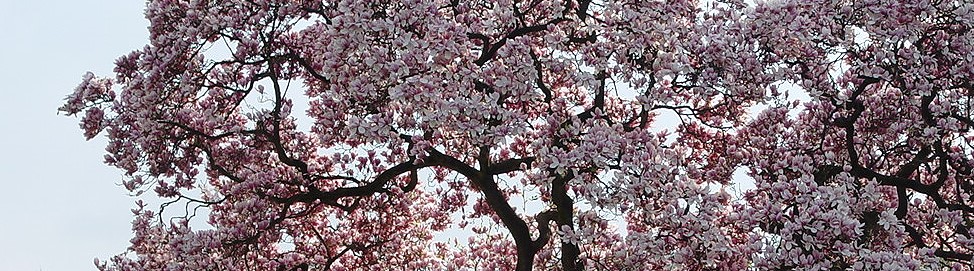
(530, 135)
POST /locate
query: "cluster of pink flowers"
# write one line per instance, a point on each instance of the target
(374, 135)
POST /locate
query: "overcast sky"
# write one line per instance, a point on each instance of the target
(60, 206)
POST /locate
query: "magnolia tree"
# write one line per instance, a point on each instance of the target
(520, 135)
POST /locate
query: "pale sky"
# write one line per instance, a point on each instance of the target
(60, 206)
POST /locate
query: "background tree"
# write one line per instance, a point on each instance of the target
(531, 124)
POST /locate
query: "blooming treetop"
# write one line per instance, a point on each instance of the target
(432, 116)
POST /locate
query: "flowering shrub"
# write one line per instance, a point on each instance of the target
(355, 135)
